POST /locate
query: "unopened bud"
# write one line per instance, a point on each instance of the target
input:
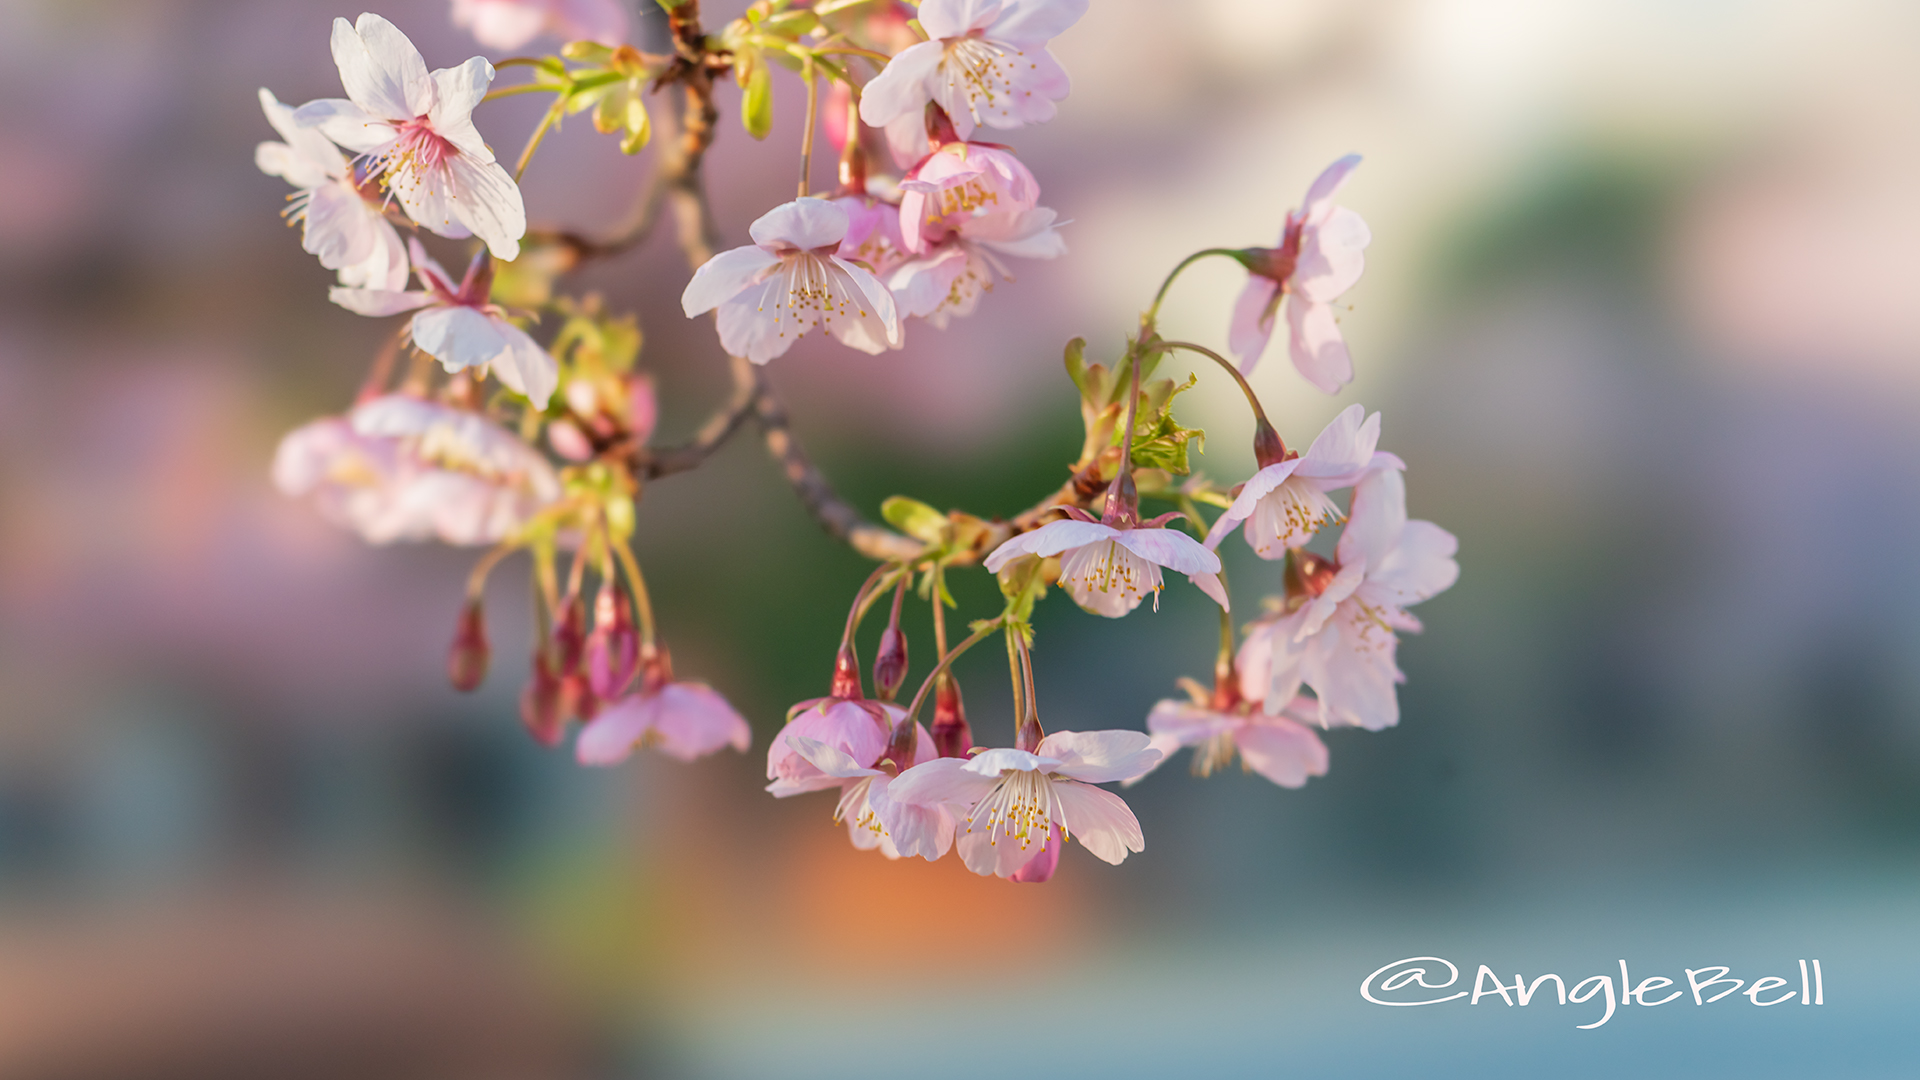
(846, 676)
(569, 441)
(613, 649)
(577, 699)
(951, 735)
(570, 634)
(643, 406)
(890, 663)
(1268, 447)
(903, 746)
(540, 705)
(467, 660)
(1308, 574)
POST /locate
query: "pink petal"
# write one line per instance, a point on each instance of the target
(1332, 256)
(381, 70)
(803, 223)
(942, 781)
(1035, 22)
(487, 201)
(1252, 324)
(1050, 539)
(1257, 487)
(1344, 446)
(830, 760)
(1170, 548)
(456, 92)
(346, 124)
(1099, 819)
(1099, 757)
(1040, 867)
(954, 18)
(724, 277)
(610, 737)
(378, 302)
(524, 367)
(926, 831)
(1377, 518)
(458, 337)
(1325, 185)
(899, 92)
(1318, 350)
(1282, 751)
(1185, 723)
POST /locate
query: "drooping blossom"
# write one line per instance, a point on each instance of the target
(873, 817)
(963, 209)
(414, 130)
(348, 232)
(986, 63)
(790, 280)
(1340, 639)
(1008, 803)
(873, 239)
(1286, 502)
(1109, 569)
(1278, 746)
(683, 720)
(460, 327)
(398, 468)
(1320, 256)
(506, 25)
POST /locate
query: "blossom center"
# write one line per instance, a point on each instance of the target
(814, 295)
(984, 71)
(1018, 809)
(416, 150)
(1290, 514)
(1107, 566)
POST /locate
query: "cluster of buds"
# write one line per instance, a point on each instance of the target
(449, 446)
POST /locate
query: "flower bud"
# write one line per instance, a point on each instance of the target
(1268, 447)
(570, 634)
(903, 745)
(577, 699)
(569, 441)
(643, 407)
(613, 649)
(890, 663)
(846, 676)
(540, 704)
(467, 660)
(951, 735)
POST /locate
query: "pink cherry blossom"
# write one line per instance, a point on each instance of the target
(790, 280)
(1109, 570)
(873, 238)
(398, 468)
(1340, 639)
(851, 726)
(683, 720)
(987, 63)
(1286, 502)
(874, 818)
(414, 129)
(349, 233)
(1009, 802)
(1319, 257)
(960, 184)
(506, 25)
(461, 327)
(1279, 746)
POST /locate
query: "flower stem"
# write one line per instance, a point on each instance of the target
(1153, 313)
(477, 580)
(643, 604)
(861, 601)
(946, 661)
(1253, 400)
(1123, 499)
(806, 137)
(533, 143)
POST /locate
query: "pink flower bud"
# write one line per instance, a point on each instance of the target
(951, 735)
(569, 441)
(890, 663)
(467, 660)
(1268, 447)
(643, 407)
(577, 699)
(613, 649)
(540, 704)
(570, 634)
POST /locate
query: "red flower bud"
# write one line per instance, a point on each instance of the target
(951, 735)
(1268, 447)
(540, 705)
(570, 634)
(846, 676)
(613, 649)
(467, 660)
(890, 663)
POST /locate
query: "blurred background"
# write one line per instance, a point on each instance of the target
(1640, 313)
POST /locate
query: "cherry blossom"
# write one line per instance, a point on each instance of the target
(1278, 746)
(960, 184)
(963, 209)
(683, 720)
(398, 468)
(1108, 570)
(873, 239)
(986, 63)
(874, 818)
(1009, 802)
(1286, 502)
(1340, 639)
(506, 25)
(414, 130)
(348, 232)
(790, 280)
(1319, 257)
(461, 327)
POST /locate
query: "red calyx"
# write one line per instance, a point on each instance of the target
(467, 659)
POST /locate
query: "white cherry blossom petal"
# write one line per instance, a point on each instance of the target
(1099, 757)
(1099, 819)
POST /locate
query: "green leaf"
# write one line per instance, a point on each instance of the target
(915, 518)
(756, 107)
(1077, 363)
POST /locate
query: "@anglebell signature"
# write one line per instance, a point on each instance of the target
(1411, 983)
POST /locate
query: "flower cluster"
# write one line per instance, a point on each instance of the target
(506, 415)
